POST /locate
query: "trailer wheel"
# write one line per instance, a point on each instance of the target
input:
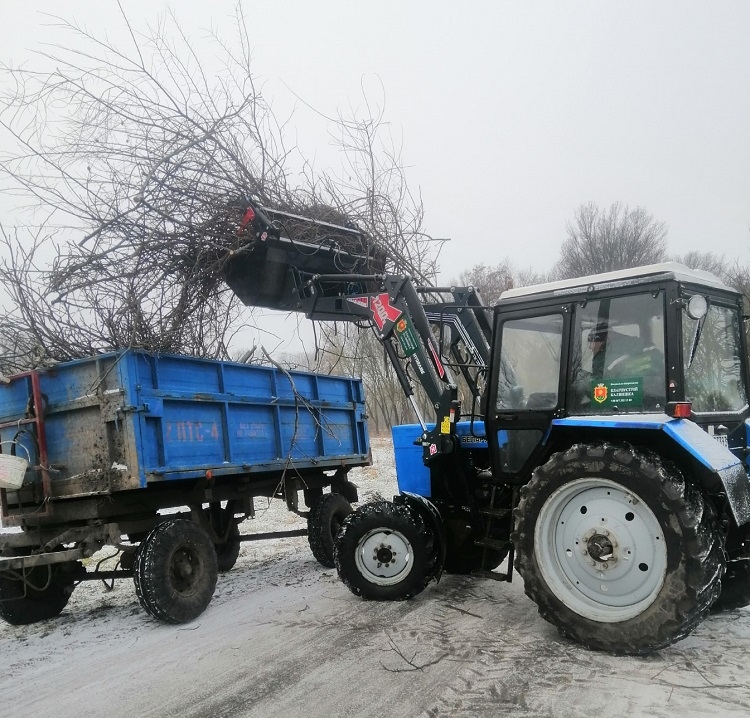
(616, 549)
(44, 595)
(385, 552)
(735, 587)
(323, 523)
(175, 571)
(227, 552)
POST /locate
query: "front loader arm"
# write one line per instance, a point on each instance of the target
(397, 315)
(335, 274)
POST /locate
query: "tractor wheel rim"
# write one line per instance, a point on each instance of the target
(600, 549)
(384, 557)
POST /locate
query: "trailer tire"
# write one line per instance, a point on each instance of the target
(56, 582)
(227, 552)
(657, 566)
(323, 523)
(735, 587)
(176, 571)
(385, 552)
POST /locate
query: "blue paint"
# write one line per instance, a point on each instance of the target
(684, 432)
(172, 417)
(412, 475)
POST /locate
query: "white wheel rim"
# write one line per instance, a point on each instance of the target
(384, 557)
(600, 550)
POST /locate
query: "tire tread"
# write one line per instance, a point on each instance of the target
(679, 613)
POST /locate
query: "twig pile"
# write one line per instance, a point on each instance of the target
(137, 164)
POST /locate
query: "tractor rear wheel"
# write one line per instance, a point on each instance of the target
(175, 571)
(616, 549)
(326, 516)
(385, 552)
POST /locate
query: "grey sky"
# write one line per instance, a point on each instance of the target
(515, 113)
(511, 114)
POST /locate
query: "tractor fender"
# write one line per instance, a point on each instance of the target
(717, 469)
(431, 516)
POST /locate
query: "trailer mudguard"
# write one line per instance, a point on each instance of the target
(431, 516)
(689, 439)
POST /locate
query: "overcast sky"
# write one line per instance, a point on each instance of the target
(511, 114)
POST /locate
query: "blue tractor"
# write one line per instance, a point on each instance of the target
(590, 433)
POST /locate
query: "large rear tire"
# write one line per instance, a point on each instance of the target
(176, 571)
(41, 593)
(616, 549)
(385, 552)
(324, 522)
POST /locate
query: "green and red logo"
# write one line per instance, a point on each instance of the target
(600, 393)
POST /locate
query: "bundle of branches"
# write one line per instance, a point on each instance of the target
(135, 164)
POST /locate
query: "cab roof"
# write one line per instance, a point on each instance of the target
(666, 271)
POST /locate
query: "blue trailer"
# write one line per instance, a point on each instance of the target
(93, 451)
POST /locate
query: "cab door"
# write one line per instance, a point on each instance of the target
(529, 363)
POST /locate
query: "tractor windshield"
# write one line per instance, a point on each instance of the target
(617, 356)
(529, 375)
(711, 355)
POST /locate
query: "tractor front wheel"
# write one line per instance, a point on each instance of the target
(385, 552)
(616, 549)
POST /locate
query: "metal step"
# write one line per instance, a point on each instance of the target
(497, 544)
(492, 575)
(494, 512)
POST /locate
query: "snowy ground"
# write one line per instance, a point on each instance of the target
(282, 637)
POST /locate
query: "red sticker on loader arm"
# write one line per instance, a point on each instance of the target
(383, 311)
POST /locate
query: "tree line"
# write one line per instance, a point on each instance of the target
(604, 240)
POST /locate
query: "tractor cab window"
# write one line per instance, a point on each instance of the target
(711, 355)
(617, 361)
(530, 363)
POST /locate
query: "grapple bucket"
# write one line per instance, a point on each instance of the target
(272, 269)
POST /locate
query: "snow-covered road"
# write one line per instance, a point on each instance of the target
(282, 637)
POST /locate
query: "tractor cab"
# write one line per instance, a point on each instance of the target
(618, 352)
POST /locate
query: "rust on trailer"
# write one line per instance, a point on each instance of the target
(34, 418)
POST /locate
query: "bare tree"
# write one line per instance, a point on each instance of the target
(493, 281)
(136, 163)
(707, 261)
(360, 353)
(606, 240)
